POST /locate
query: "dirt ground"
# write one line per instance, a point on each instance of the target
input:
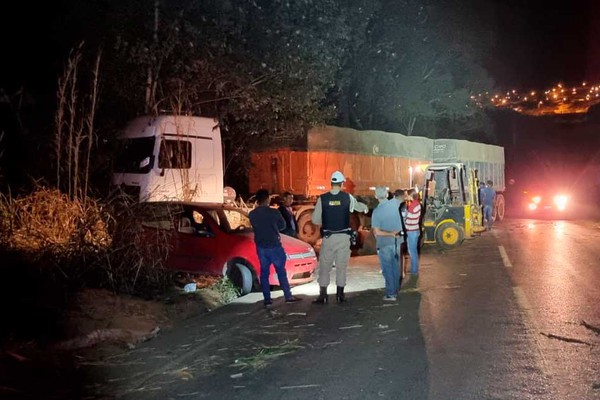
(52, 344)
(99, 318)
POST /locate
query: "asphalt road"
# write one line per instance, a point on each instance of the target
(512, 314)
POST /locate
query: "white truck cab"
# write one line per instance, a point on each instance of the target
(171, 158)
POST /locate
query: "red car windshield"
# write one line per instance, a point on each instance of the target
(231, 221)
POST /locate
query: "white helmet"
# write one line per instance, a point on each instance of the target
(337, 177)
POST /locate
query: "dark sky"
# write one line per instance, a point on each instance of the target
(36, 44)
(538, 44)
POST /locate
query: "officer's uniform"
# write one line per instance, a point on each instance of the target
(332, 212)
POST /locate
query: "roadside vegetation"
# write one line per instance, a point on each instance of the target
(67, 248)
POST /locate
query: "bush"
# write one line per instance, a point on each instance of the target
(47, 221)
(53, 233)
(226, 289)
(135, 264)
(85, 243)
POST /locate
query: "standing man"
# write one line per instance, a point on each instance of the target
(413, 228)
(267, 222)
(400, 196)
(332, 212)
(488, 197)
(387, 227)
(288, 215)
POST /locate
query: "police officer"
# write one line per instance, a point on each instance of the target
(332, 212)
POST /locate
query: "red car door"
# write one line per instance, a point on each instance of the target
(196, 243)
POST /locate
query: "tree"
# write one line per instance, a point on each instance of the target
(420, 63)
(263, 68)
(272, 68)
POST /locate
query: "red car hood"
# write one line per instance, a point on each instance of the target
(290, 245)
(294, 246)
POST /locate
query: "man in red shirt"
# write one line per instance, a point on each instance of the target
(413, 229)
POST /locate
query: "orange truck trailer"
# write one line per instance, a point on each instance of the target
(367, 159)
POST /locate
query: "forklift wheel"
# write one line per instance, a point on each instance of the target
(449, 235)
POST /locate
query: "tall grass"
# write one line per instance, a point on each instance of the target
(63, 231)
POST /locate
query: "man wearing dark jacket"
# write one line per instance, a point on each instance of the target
(267, 222)
(288, 215)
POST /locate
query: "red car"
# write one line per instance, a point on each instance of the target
(218, 240)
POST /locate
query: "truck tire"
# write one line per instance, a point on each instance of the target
(449, 235)
(498, 213)
(241, 276)
(307, 231)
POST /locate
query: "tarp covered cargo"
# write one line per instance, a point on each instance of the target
(377, 143)
(486, 158)
(367, 159)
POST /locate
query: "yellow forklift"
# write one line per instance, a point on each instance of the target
(451, 210)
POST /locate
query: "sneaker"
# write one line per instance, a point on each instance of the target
(293, 300)
(268, 304)
(389, 298)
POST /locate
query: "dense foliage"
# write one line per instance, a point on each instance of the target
(272, 68)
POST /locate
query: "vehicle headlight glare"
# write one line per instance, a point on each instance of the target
(561, 201)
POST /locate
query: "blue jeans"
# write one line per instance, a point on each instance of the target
(389, 258)
(487, 216)
(275, 256)
(413, 250)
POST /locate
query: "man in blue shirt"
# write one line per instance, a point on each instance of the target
(387, 227)
(267, 222)
(488, 197)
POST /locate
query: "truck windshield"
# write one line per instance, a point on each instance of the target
(135, 155)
